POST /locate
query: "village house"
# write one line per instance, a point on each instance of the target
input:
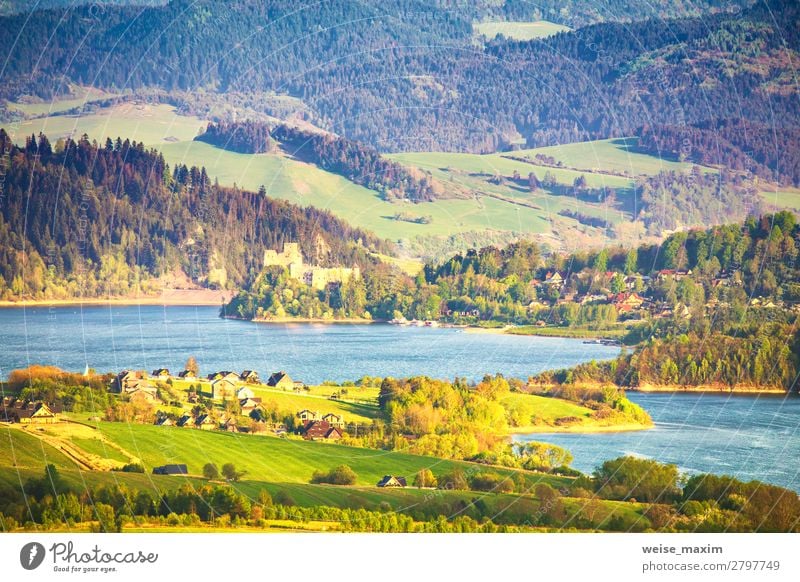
(631, 280)
(553, 279)
(26, 412)
(336, 420)
(244, 392)
(161, 373)
(248, 405)
(675, 274)
(205, 422)
(249, 376)
(148, 394)
(280, 380)
(177, 469)
(392, 481)
(627, 302)
(593, 298)
(127, 381)
(223, 374)
(307, 416)
(230, 425)
(185, 421)
(318, 430)
(164, 421)
(223, 388)
(187, 375)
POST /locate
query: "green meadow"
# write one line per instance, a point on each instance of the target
(81, 97)
(151, 124)
(285, 466)
(519, 30)
(608, 155)
(783, 199)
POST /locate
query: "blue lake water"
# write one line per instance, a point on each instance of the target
(749, 437)
(149, 337)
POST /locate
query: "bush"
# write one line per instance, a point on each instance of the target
(424, 478)
(491, 482)
(131, 468)
(210, 471)
(341, 475)
(455, 481)
(284, 498)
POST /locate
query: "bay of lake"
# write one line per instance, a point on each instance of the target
(750, 437)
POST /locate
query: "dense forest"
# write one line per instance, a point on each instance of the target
(570, 12)
(769, 152)
(409, 76)
(356, 162)
(82, 220)
(678, 200)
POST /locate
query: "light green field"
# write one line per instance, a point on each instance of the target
(444, 164)
(473, 172)
(519, 30)
(284, 467)
(82, 96)
(784, 199)
(151, 124)
(608, 155)
(306, 184)
(267, 459)
(20, 450)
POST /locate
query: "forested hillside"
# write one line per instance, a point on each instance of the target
(82, 220)
(409, 76)
(771, 152)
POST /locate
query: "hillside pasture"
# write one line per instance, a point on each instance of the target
(519, 30)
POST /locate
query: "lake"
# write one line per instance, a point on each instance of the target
(746, 436)
(749, 437)
(111, 338)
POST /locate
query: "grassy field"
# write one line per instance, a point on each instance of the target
(20, 451)
(608, 155)
(152, 124)
(547, 408)
(783, 199)
(81, 96)
(265, 459)
(519, 30)
(281, 466)
(577, 332)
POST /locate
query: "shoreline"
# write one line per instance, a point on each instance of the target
(579, 429)
(169, 297)
(488, 330)
(749, 390)
(320, 320)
